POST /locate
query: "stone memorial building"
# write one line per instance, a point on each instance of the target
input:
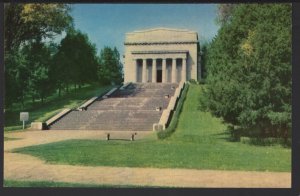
(161, 55)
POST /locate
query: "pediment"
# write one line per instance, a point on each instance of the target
(161, 35)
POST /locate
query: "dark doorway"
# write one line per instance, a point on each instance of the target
(159, 76)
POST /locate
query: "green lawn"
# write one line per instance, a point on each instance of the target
(16, 183)
(200, 141)
(53, 105)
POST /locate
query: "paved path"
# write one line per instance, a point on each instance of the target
(25, 167)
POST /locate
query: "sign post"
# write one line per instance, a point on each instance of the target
(24, 116)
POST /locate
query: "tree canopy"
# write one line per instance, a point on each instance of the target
(249, 70)
(110, 67)
(26, 22)
(36, 67)
(75, 61)
(25, 25)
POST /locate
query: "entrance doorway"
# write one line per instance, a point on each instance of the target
(159, 76)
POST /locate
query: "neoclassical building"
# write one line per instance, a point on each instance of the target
(161, 55)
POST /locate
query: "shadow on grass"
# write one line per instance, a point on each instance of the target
(241, 136)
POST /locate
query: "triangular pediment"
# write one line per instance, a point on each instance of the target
(161, 34)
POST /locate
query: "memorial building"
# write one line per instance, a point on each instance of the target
(161, 55)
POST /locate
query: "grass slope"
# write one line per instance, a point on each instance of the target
(53, 105)
(200, 141)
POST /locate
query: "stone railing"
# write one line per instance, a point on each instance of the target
(109, 93)
(125, 86)
(45, 125)
(58, 116)
(86, 104)
(167, 113)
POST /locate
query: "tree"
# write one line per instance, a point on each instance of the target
(249, 70)
(110, 67)
(224, 12)
(16, 78)
(24, 24)
(75, 61)
(38, 58)
(204, 52)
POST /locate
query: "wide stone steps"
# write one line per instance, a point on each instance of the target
(108, 120)
(130, 109)
(130, 104)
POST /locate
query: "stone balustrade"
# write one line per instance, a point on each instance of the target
(166, 115)
(57, 116)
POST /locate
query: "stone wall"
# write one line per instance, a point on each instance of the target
(167, 113)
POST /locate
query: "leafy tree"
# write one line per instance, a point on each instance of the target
(110, 69)
(224, 12)
(38, 57)
(204, 52)
(16, 78)
(75, 61)
(249, 70)
(24, 24)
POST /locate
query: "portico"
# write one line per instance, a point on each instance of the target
(161, 55)
(160, 66)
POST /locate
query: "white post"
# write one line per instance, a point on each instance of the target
(174, 71)
(164, 67)
(144, 71)
(136, 69)
(154, 71)
(183, 71)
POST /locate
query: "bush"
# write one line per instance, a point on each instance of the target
(193, 81)
(201, 81)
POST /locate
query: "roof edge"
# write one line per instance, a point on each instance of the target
(161, 28)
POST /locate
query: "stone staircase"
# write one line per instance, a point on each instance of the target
(129, 109)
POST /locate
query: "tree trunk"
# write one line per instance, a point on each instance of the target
(59, 91)
(22, 101)
(285, 135)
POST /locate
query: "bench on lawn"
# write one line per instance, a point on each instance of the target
(131, 134)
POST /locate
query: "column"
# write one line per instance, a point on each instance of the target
(135, 69)
(174, 71)
(154, 71)
(144, 71)
(183, 70)
(164, 67)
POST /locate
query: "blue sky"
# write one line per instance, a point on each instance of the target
(106, 24)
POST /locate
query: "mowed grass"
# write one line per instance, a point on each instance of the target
(53, 105)
(41, 184)
(200, 142)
